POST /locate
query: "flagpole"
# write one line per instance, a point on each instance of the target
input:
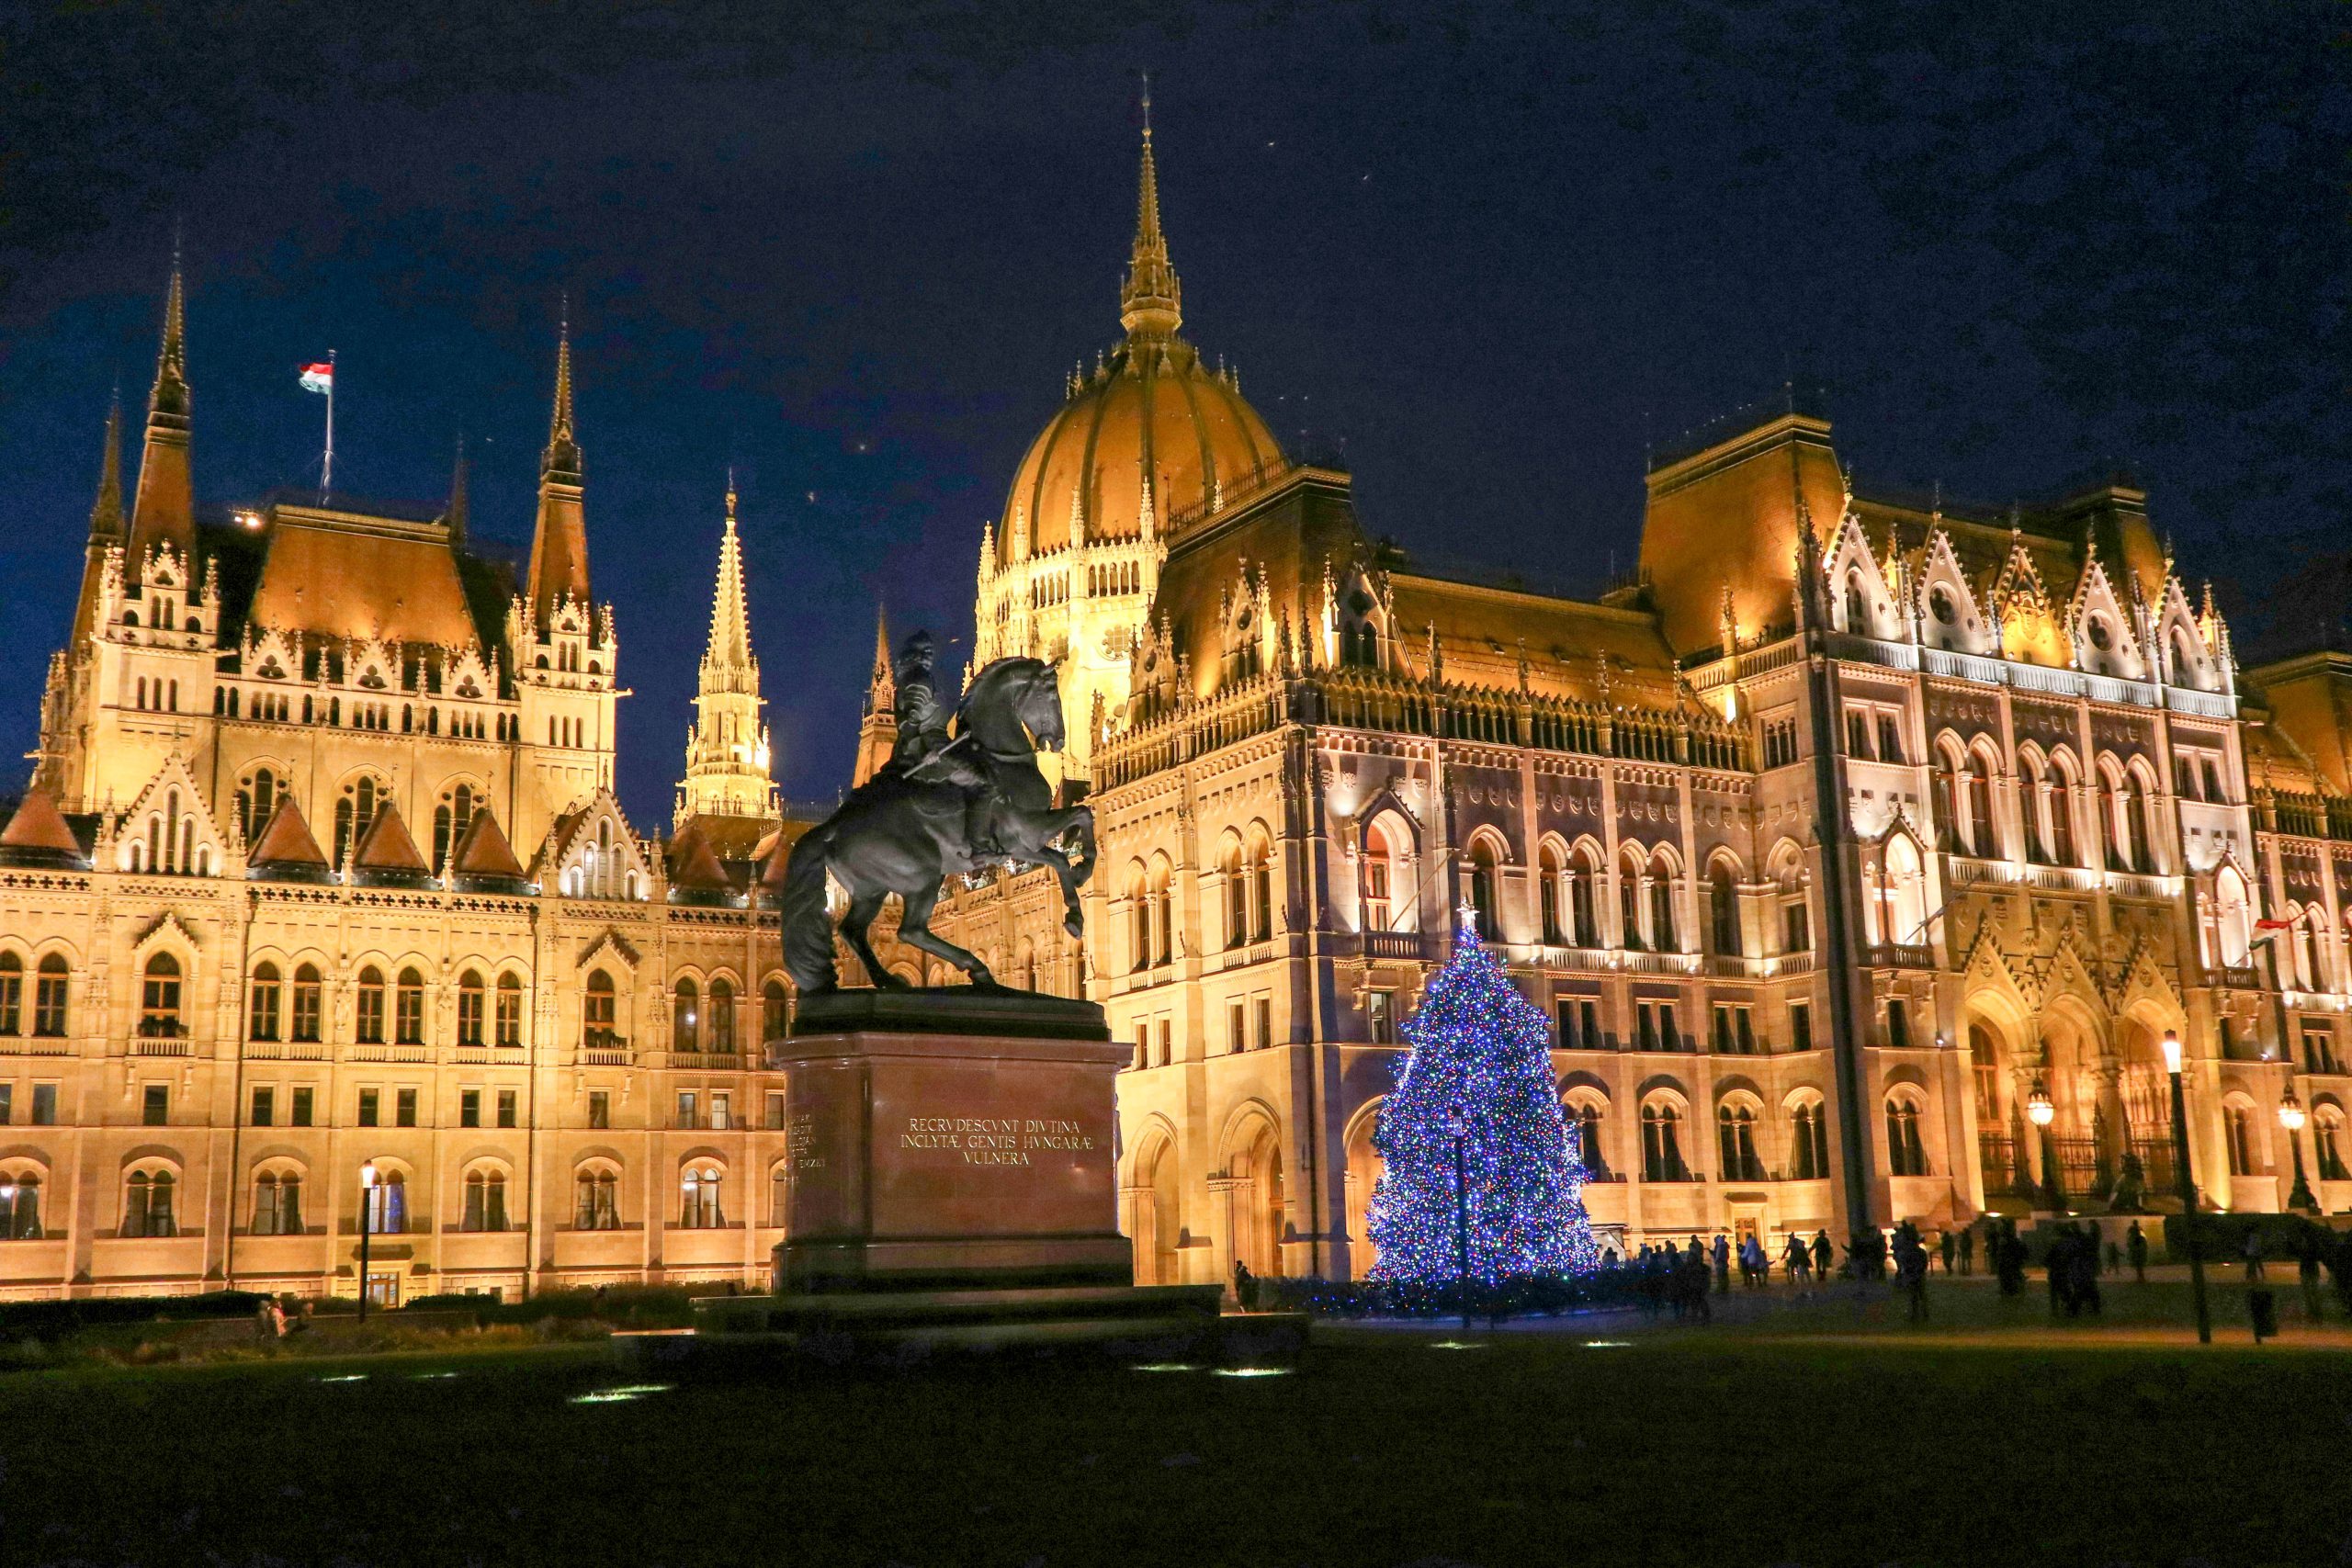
(326, 468)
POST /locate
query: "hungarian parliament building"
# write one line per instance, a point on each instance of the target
(1846, 831)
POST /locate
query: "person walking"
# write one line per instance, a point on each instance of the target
(1798, 1262)
(2135, 1246)
(1968, 1250)
(1944, 1248)
(1722, 1265)
(1911, 1273)
(1245, 1286)
(2252, 1254)
(1823, 1254)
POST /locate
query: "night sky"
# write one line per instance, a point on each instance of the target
(1494, 253)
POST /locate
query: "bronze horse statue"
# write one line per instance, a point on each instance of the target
(908, 829)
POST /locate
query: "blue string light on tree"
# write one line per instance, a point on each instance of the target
(1479, 1071)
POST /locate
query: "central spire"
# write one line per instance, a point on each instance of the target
(727, 750)
(563, 451)
(1151, 303)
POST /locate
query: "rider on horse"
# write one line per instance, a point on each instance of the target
(924, 754)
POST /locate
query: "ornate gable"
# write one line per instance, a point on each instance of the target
(169, 826)
(2181, 649)
(1859, 601)
(2101, 627)
(1950, 615)
(593, 852)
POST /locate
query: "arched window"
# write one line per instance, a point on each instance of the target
(2139, 846)
(1808, 1141)
(2234, 924)
(147, 1209)
(2327, 1143)
(721, 1031)
(263, 1004)
(1903, 913)
(698, 1205)
(1164, 916)
(1982, 839)
(1661, 1142)
(356, 811)
(369, 1022)
(1905, 1156)
(159, 1000)
(598, 1011)
(1663, 932)
(469, 1007)
(1735, 1143)
(1140, 919)
(257, 798)
(1858, 606)
(1629, 901)
(685, 1017)
(408, 1011)
(308, 1004)
(2032, 796)
(780, 1196)
(510, 1010)
(1549, 880)
(597, 1200)
(51, 984)
(1485, 886)
(1261, 888)
(772, 1012)
(1584, 921)
(387, 1204)
(485, 1202)
(450, 819)
(2237, 1128)
(12, 993)
(2062, 814)
(1380, 878)
(20, 1206)
(1237, 895)
(1723, 894)
(1587, 1119)
(278, 1204)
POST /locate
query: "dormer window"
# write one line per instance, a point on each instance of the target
(2101, 637)
(1940, 606)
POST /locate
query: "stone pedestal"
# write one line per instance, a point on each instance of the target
(950, 1140)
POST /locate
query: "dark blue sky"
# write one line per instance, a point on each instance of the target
(1495, 251)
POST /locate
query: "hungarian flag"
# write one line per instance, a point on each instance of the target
(319, 378)
(2272, 925)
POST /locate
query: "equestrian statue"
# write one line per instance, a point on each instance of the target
(940, 807)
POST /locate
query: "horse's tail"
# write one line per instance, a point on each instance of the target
(808, 927)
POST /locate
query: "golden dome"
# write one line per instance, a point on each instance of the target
(1149, 408)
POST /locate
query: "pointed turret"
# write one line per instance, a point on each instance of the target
(164, 509)
(482, 852)
(560, 539)
(287, 841)
(457, 512)
(877, 727)
(37, 834)
(105, 530)
(727, 751)
(1151, 303)
(388, 850)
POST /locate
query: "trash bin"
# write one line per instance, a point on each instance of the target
(2263, 1307)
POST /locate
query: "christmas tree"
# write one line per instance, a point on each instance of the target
(1476, 1094)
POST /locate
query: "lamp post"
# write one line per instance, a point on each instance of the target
(2188, 1186)
(2042, 1113)
(366, 1223)
(2291, 1117)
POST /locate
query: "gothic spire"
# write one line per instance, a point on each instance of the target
(106, 516)
(727, 750)
(1151, 304)
(730, 648)
(457, 514)
(563, 452)
(163, 510)
(560, 537)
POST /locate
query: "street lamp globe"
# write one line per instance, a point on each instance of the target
(2172, 1053)
(2038, 1107)
(367, 1174)
(2291, 1113)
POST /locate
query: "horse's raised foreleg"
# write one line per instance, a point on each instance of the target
(914, 930)
(862, 908)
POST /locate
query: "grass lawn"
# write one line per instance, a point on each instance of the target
(1815, 1435)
